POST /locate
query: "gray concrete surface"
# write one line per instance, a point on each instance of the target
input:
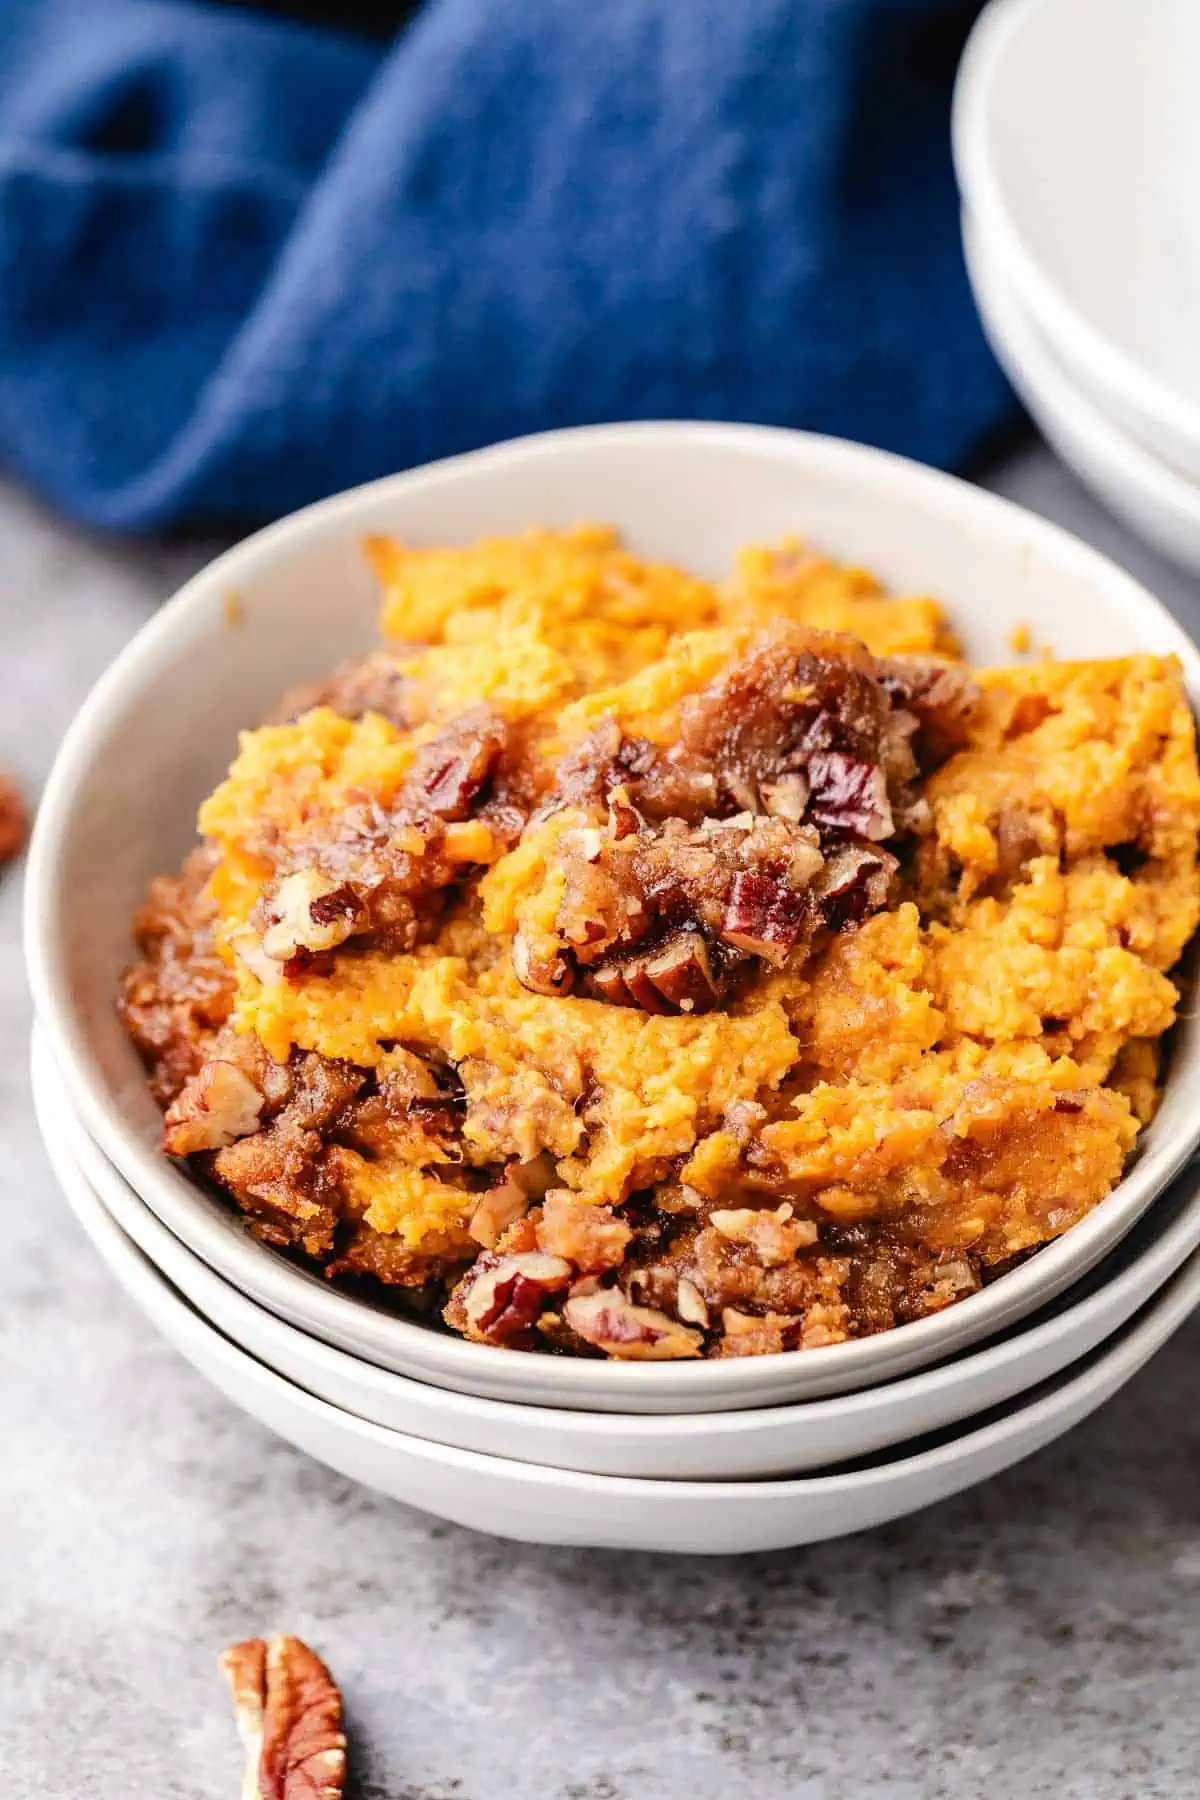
(1038, 1636)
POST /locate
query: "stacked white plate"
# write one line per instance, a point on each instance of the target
(708, 1456)
(1077, 146)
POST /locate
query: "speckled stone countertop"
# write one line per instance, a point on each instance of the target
(1038, 1636)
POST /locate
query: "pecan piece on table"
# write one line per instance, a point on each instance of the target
(14, 820)
(289, 1718)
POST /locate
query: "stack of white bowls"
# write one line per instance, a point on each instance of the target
(1077, 146)
(706, 1456)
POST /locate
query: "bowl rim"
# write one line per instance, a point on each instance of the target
(115, 693)
(104, 1179)
(1155, 1323)
(1031, 365)
(1137, 390)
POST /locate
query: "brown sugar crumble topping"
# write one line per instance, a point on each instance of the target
(616, 964)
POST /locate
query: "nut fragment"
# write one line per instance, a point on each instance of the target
(592, 1237)
(691, 1304)
(552, 976)
(247, 947)
(854, 884)
(850, 795)
(787, 798)
(764, 915)
(289, 1718)
(510, 1199)
(615, 1325)
(312, 913)
(218, 1105)
(507, 1292)
(775, 1237)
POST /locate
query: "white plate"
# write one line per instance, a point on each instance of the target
(1077, 145)
(159, 727)
(771, 1441)
(554, 1506)
(1157, 502)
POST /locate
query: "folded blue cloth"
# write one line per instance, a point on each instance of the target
(245, 261)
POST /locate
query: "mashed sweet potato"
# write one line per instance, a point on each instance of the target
(623, 964)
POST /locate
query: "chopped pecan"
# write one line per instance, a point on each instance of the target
(510, 1198)
(503, 1295)
(747, 1335)
(690, 1304)
(610, 1322)
(678, 978)
(943, 698)
(451, 771)
(853, 884)
(247, 946)
(764, 915)
(787, 798)
(217, 1106)
(309, 912)
(591, 1237)
(849, 795)
(543, 975)
(289, 1718)
(775, 1237)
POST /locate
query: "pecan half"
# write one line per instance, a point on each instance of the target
(218, 1106)
(289, 1718)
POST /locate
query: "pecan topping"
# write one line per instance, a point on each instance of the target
(850, 795)
(218, 1106)
(681, 864)
(690, 1303)
(764, 915)
(592, 1237)
(552, 975)
(775, 1237)
(289, 1718)
(505, 1294)
(606, 1319)
(309, 913)
(510, 1198)
(853, 884)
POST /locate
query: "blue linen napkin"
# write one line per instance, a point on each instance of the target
(246, 261)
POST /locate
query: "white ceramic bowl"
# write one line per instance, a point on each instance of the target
(159, 728)
(555, 1506)
(1077, 146)
(1156, 501)
(722, 1446)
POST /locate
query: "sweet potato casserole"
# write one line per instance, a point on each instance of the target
(614, 963)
